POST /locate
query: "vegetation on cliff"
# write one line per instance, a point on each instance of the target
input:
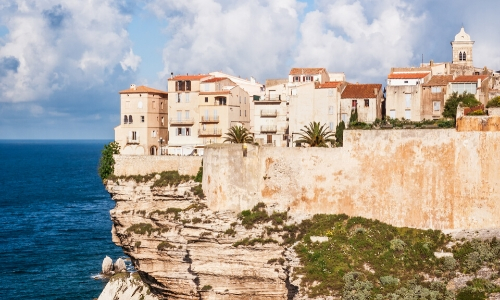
(107, 162)
(166, 178)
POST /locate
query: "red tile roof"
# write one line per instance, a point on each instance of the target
(469, 78)
(407, 75)
(143, 89)
(439, 80)
(215, 93)
(306, 71)
(328, 85)
(190, 77)
(361, 90)
(215, 79)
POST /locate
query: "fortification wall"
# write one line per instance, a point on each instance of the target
(435, 178)
(146, 164)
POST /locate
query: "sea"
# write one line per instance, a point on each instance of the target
(55, 227)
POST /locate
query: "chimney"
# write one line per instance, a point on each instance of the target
(132, 86)
(171, 75)
(479, 83)
(431, 63)
(375, 91)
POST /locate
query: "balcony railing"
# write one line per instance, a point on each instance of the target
(269, 113)
(210, 119)
(210, 132)
(181, 121)
(131, 140)
(268, 128)
(269, 99)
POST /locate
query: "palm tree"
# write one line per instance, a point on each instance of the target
(316, 135)
(238, 135)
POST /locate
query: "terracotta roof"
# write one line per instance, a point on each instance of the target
(361, 90)
(143, 89)
(438, 80)
(328, 85)
(190, 77)
(215, 93)
(469, 78)
(407, 75)
(306, 71)
(215, 79)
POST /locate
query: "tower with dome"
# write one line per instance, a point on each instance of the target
(462, 49)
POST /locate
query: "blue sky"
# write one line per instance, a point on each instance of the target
(62, 63)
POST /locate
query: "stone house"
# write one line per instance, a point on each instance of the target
(434, 96)
(144, 121)
(366, 98)
(404, 95)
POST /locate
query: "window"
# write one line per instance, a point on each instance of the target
(130, 119)
(187, 97)
(269, 138)
(331, 125)
(296, 78)
(293, 92)
(406, 81)
(245, 112)
(188, 132)
(330, 110)
(240, 99)
(437, 105)
(344, 118)
(245, 100)
(188, 85)
(354, 103)
(408, 100)
(142, 119)
(240, 112)
(392, 114)
(367, 102)
(125, 119)
(206, 99)
(435, 89)
(308, 79)
(181, 85)
(153, 133)
(134, 135)
(206, 87)
(154, 104)
(162, 105)
(178, 97)
(179, 131)
(162, 121)
(408, 114)
(187, 114)
(179, 115)
(460, 88)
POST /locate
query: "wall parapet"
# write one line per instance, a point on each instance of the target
(126, 165)
(428, 178)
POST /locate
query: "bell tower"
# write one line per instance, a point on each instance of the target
(462, 49)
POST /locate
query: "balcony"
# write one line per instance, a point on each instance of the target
(209, 119)
(274, 99)
(210, 132)
(268, 113)
(131, 140)
(181, 121)
(268, 128)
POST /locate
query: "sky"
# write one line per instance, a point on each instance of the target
(62, 63)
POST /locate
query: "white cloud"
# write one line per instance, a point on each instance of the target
(130, 61)
(247, 38)
(59, 44)
(343, 37)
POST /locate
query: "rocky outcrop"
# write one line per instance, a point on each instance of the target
(125, 287)
(183, 250)
(107, 266)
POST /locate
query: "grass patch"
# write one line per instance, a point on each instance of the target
(198, 191)
(167, 178)
(206, 288)
(142, 228)
(259, 215)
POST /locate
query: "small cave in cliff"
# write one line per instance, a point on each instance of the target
(292, 289)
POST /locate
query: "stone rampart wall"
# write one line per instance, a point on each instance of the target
(427, 178)
(146, 164)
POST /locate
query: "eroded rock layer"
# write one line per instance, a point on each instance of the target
(183, 250)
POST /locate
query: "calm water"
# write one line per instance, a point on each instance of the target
(54, 220)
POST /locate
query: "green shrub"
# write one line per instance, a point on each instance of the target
(230, 232)
(196, 220)
(198, 191)
(107, 162)
(389, 280)
(206, 288)
(478, 112)
(196, 207)
(170, 178)
(449, 263)
(252, 242)
(199, 175)
(141, 228)
(165, 246)
(495, 102)
(175, 211)
(397, 245)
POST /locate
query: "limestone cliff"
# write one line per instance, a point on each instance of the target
(183, 250)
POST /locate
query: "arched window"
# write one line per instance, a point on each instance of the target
(130, 119)
(464, 57)
(125, 119)
(460, 56)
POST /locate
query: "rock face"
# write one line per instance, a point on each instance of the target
(126, 288)
(182, 250)
(107, 266)
(119, 265)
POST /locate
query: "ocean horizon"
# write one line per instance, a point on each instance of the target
(56, 227)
